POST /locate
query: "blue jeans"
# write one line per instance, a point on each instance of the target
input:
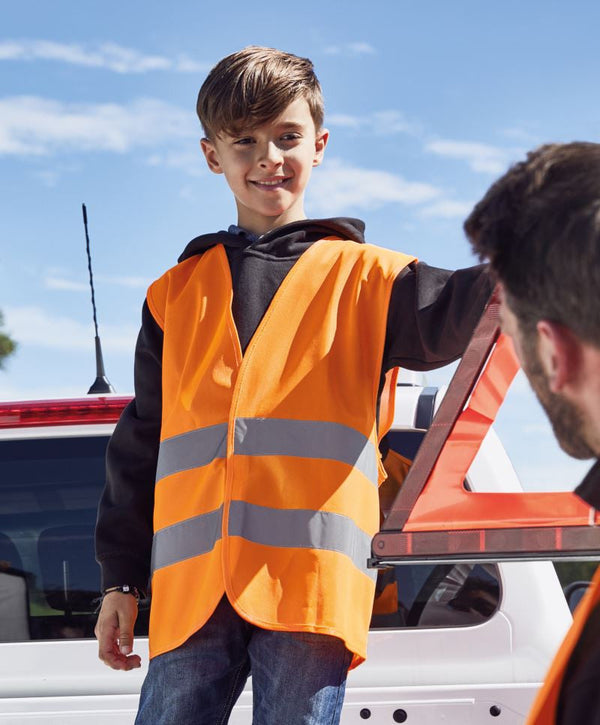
(297, 678)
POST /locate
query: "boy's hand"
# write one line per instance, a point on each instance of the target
(114, 631)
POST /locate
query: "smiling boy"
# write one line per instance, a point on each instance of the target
(268, 169)
(243, 476)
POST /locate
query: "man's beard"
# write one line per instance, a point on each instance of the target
(567, 421)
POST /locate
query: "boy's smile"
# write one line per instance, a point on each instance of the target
(268, 167)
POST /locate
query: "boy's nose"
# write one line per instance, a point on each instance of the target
(270, 155)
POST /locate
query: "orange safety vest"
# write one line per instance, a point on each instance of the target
(543, 711)
(267, 474)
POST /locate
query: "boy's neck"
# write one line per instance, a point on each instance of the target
(257, 224)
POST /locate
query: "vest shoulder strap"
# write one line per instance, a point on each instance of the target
(175, 278)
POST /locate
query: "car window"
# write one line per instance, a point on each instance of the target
(49, 579)
(422, 595)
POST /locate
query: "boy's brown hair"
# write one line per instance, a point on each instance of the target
(254, 86)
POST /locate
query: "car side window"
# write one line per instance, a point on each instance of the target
(422, 595)
(49, 579)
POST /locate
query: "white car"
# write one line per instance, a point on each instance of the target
(459, 644)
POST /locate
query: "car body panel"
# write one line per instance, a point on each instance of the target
(451, 674)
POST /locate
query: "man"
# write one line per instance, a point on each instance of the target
(539, 226)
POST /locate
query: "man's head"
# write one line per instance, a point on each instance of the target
(539, 226)
(252, 87)
(262, 113)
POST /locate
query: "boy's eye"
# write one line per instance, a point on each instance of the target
(292, 136)
(243, 141)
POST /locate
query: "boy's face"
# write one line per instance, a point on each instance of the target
(267, 168)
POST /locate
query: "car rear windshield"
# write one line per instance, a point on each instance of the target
(49, 579)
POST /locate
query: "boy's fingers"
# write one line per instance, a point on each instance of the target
(114, 631)
(125, 635)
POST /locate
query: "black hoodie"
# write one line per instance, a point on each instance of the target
(431, 316)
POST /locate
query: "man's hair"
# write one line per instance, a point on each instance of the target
(539, 226)
(254, 86)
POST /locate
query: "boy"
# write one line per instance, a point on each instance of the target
(259, 372)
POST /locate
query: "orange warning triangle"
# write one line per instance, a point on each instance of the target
(434, 516)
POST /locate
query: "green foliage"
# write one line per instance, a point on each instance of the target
(7, 345)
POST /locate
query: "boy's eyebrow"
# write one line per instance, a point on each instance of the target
(280, 124)
(284, 125)
(291, 124)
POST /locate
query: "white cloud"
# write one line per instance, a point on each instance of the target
(30, 125)
(447, 209)
(351, 48)
(344, 120)
(378, 122)
(59, 283)
(35, 327)
(125, 281)
(48, 177)
(109, 56)
(188, 193)
(37, 391)
(480, 157)
(189, 160)
(560, 474)
(340, 187)
(521, 135)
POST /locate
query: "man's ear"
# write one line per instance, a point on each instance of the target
(210, 154)
(560, 354)
(320, 143)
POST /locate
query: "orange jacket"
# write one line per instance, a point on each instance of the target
(268, 465)
(544, 709)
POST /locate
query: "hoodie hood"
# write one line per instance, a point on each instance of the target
(283, 241)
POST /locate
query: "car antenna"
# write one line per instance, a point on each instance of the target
(101, 383)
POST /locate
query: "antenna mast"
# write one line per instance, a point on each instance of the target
(100, 384)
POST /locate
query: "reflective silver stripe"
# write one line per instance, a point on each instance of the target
(296, 528)
(269, 437)
(191, 450)
(306, 439)
(186, 539)
(301, 529)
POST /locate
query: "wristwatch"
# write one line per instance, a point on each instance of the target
(125, 589)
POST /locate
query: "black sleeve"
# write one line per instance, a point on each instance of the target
(432, 315)
(124, 526)
(579, 698)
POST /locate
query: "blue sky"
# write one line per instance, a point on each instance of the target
(427, 102)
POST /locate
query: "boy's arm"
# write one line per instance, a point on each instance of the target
(432, 315)
(124, 527)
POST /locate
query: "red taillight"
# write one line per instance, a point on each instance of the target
(62, 412)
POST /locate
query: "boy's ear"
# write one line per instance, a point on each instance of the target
(210, 154)
(320, 143)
